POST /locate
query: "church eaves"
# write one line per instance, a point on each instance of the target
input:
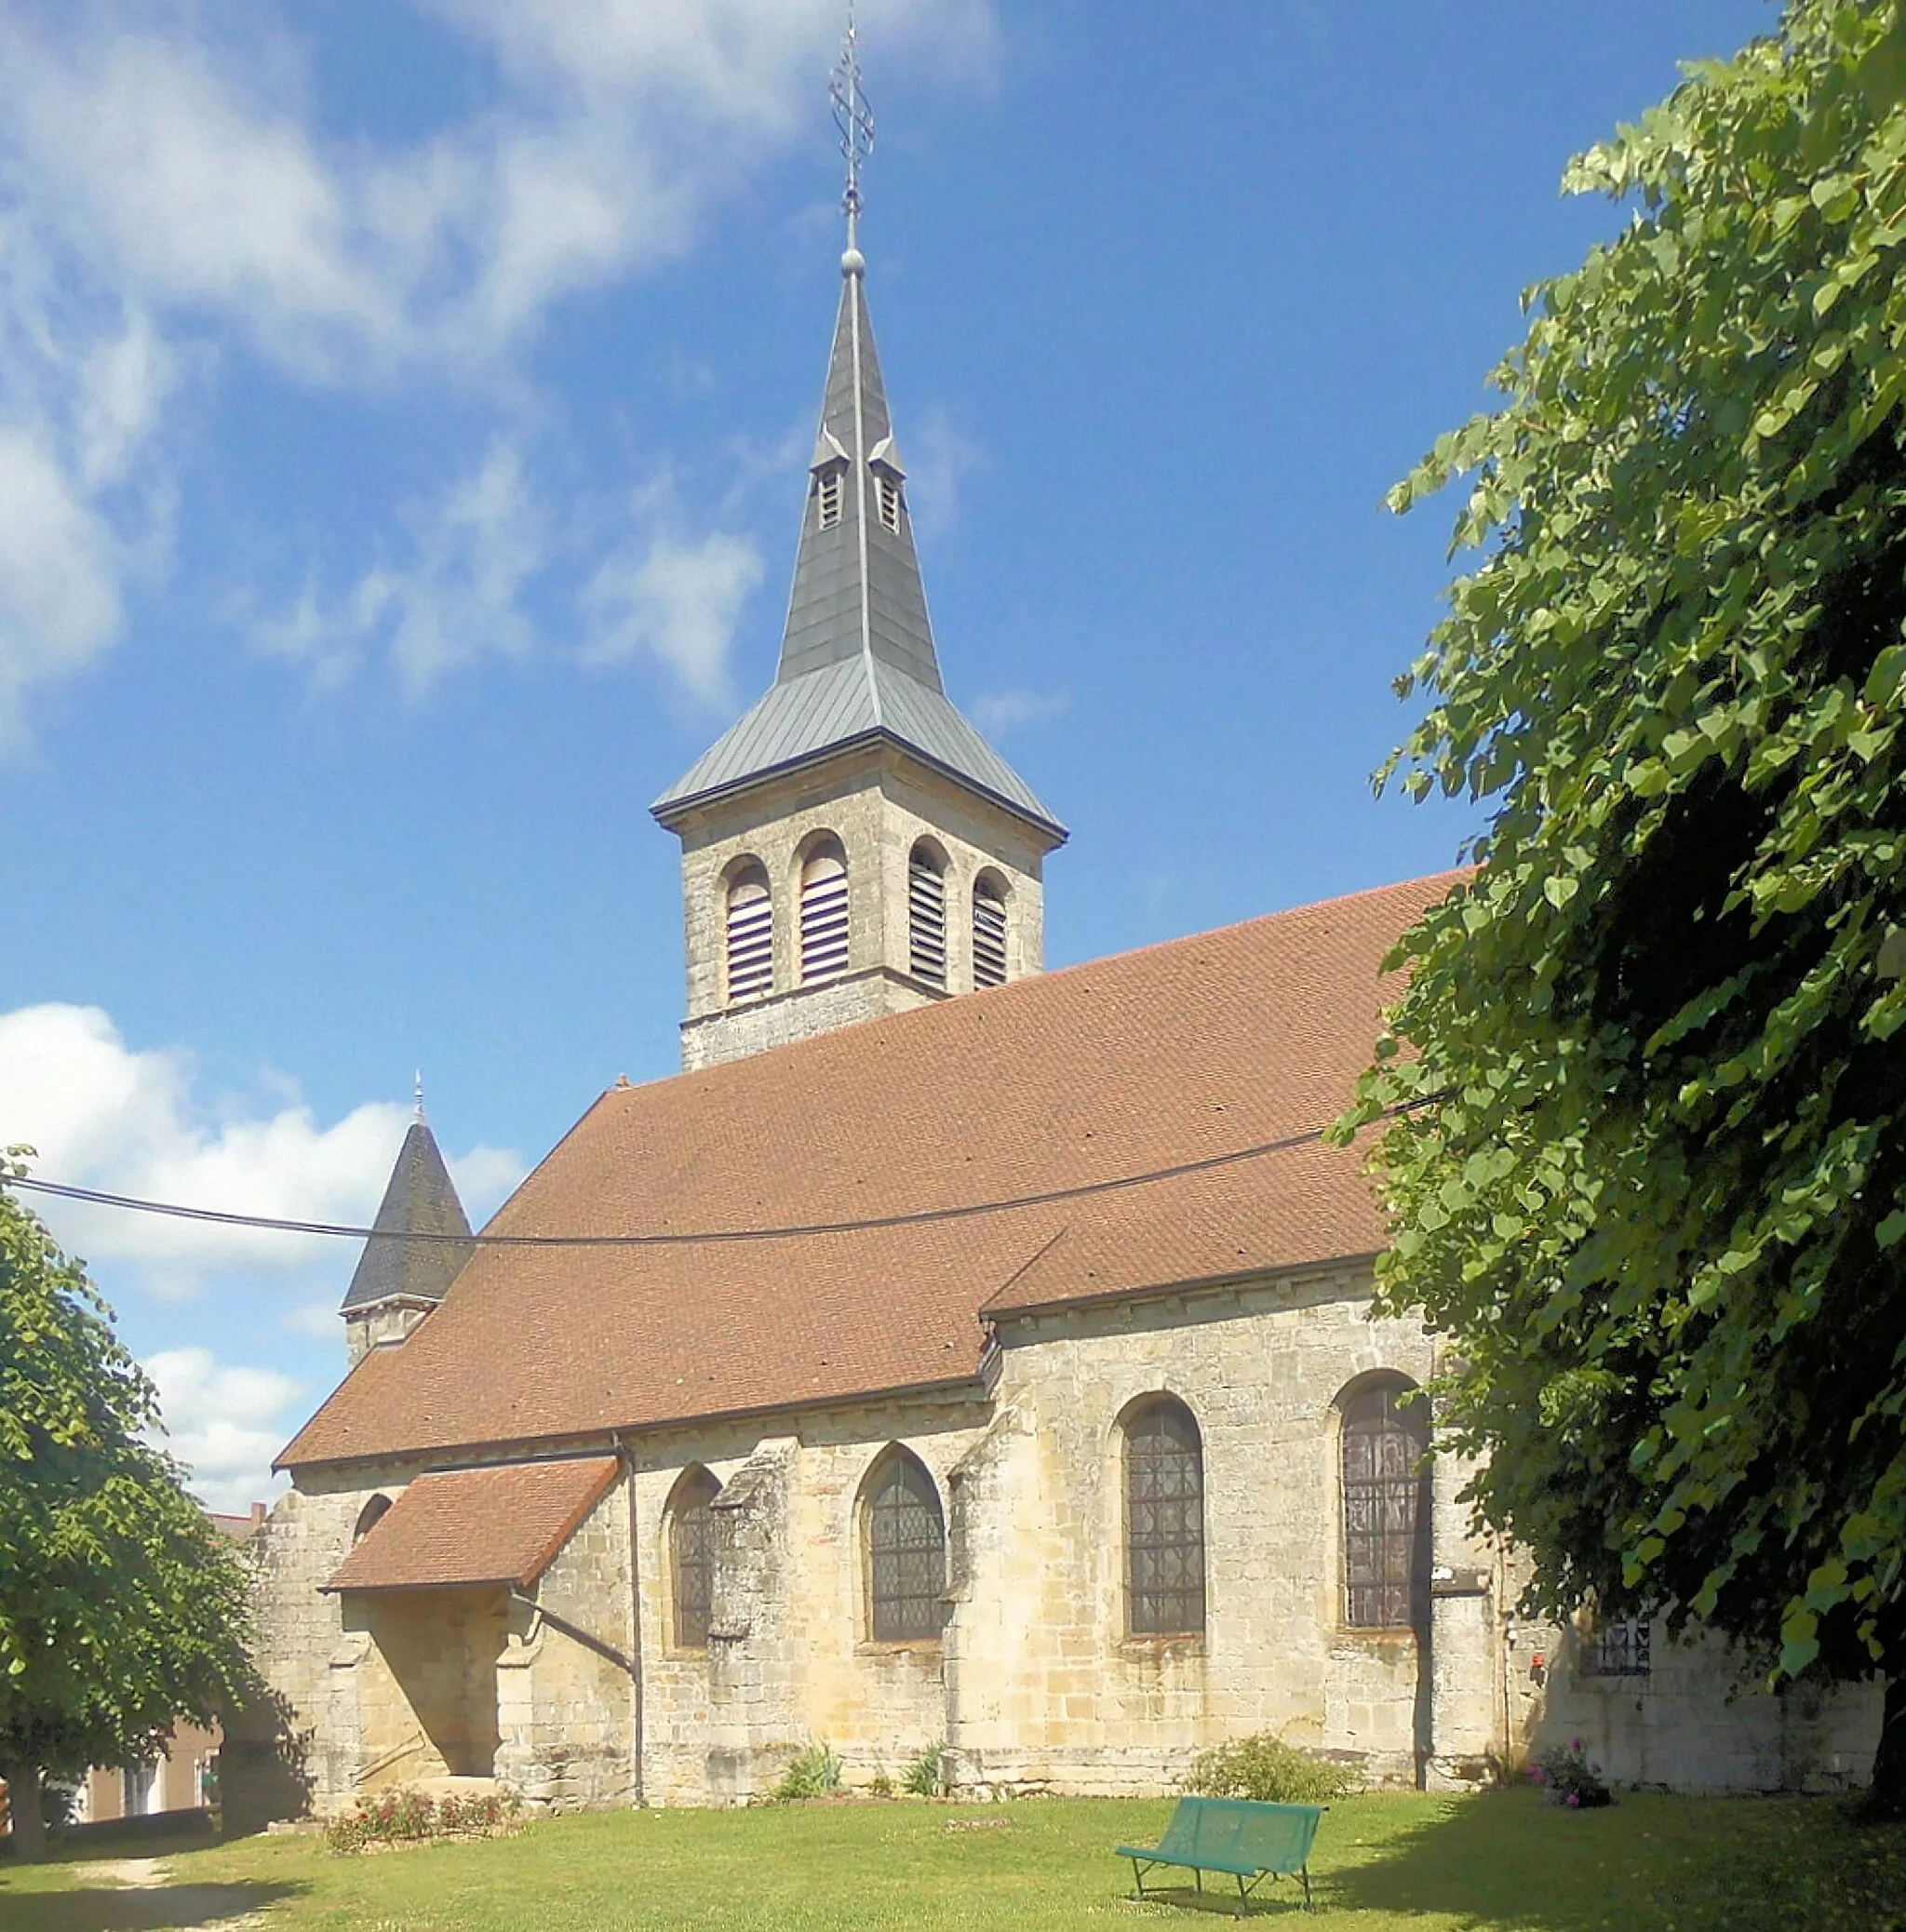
(421, 1198)
(858, 656)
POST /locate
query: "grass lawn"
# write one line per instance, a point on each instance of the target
(1502, 1862)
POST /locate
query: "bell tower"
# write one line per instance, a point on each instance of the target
(853, 845)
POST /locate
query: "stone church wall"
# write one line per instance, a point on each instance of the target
(1047, 1690)
(789, 1660)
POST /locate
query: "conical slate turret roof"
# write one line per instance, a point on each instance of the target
(421, 1198)
(857, 657)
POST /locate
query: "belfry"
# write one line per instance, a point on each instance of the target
(853, 845)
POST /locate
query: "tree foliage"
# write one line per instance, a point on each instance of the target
(1651, 1176)
(122, 1608)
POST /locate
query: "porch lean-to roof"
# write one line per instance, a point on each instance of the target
(504, 1525)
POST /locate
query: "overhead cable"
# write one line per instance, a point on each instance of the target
(919, 1216)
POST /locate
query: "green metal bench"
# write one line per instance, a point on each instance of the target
(1247, 1839)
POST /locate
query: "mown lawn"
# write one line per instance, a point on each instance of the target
(1502, 1862)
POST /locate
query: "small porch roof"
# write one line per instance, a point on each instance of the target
(502, 1524)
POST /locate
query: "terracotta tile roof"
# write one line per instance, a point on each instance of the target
(1147, 1060)
(494, 1525)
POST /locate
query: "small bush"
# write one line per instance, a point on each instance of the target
(812, 1772)
(408, 1817)
(926, 1775)
(1569, 1779)
(880, 1786)
(1264, 1767)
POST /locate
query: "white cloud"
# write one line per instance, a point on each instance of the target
(677, 602)
(59, 575)
(940, 457)
(999, 712)
(455, 597)
(167, 187)
(106, 1116)
(224, 1422)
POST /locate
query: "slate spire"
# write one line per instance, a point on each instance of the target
(421, 1198)
(857, 654)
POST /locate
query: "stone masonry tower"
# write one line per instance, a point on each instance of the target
(854, 846)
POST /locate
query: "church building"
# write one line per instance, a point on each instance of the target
(954, 1357)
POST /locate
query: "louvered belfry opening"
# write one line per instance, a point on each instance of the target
(906, 1552)
(824, 912)
(692, 1556)
(1386, 1509)
(887, 489)
(1164, 1522)
(926, 915)
(750, 934)
(988, 931)
(827, 490)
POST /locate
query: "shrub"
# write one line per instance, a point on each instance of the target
(406, 1818)
(812, 1772)
(1569, 1779)
(1263, 1767)
(925, 1775)
(880, 1786)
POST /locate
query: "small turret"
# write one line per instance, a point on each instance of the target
(399, 1281)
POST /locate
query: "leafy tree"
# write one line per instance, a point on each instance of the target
(121, 1607)
(1650, 1177)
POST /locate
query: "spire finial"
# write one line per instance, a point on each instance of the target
(419, 1095)
(855, 120)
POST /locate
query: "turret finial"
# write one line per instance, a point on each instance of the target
(855, 118)
(419, 1095)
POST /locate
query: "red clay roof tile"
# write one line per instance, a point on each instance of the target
(493, 1526)
(1148, 1060)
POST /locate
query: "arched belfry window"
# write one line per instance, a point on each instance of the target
(926, 914)
(372, 1513)
(887, 498)
(1385, 1507)
(905, 1538)
(1165, 1521)
(692, 1556)
(824, 912)
(750, 934)
(988, 930)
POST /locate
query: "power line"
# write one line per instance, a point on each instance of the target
(963, 1211)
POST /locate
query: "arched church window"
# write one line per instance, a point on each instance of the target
(827, 494)
(824, 912)
(1386, 1508)
(750, 934)
(926, 914)
(887, 486)
(691, 1556)
(1164, 1522)
(372, 1513)
(988, 930)
(906, 1551)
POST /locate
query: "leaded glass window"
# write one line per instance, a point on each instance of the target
(691, 1556)
(1386, 1516)
(1164, 1523)
(1618, 1648)
(907, 1538)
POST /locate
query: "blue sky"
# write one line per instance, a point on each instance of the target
(402, 417)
